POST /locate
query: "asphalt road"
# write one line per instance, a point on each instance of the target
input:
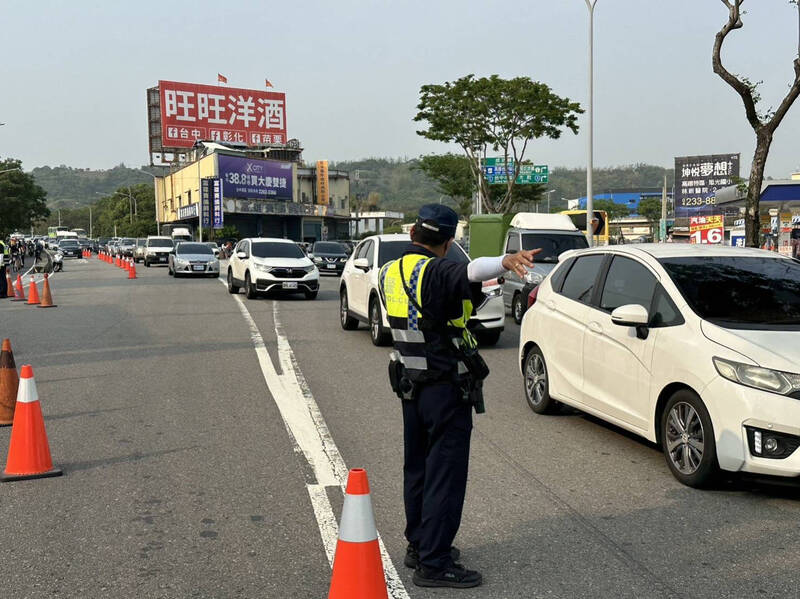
(181, 479)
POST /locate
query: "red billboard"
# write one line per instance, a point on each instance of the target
(192, 112)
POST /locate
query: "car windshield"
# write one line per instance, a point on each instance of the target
(160, 243)
(328, 247)
(552, 244)
(68, 243)
(140, 242)
(128, 241)
(193, 248)
(739, 292)
(392, 250)
(276, 249)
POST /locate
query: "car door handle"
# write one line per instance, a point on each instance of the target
(595, 327)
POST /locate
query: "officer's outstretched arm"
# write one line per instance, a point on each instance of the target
(485, 269)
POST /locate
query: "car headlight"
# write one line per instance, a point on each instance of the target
(262, 267)
(533, 278)
(311, 268)
(342, 259)
(766, 379)
(493, 292)
(317, 259)
(211, 263)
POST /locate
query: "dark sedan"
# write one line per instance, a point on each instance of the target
(70, 247)
(329, 257)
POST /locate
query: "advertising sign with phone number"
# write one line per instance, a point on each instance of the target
(706, 229)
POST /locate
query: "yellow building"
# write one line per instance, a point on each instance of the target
(260, 197)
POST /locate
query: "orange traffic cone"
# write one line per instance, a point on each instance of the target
(357, 567)
(33, 293)
(132, 271)
(47, 298)
(28, 450)
(9, 384)
(9, 285)
(19, 291)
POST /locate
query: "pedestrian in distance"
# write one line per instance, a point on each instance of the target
(438, 374)
(5, 260)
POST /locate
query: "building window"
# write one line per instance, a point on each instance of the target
(188, 197)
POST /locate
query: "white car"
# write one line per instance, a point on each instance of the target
(359, 299)
(694, 347)
(262, 264)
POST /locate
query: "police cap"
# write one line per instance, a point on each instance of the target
(438, 219)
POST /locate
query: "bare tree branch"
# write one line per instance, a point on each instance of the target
(787, 102)
(742, 88)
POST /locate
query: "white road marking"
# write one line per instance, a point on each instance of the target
(311, 437)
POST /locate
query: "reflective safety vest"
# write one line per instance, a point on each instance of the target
(5, 253)
(411, 333)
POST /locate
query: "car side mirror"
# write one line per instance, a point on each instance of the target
(310, 255)
(632, 315)
(241, 255)
(361, 263)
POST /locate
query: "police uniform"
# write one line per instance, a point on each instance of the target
(428, 301)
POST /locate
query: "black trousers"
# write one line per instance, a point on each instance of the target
(436, 431)
(3, 281)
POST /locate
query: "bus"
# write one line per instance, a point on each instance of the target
(578, 217)
(52, 232)
(80, 232)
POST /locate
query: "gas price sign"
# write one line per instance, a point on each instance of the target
(706, 229)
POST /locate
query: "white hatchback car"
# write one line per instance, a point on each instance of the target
(262, 264)
(694, 347)
(359, 299)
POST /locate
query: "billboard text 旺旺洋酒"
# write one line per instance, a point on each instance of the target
(257, 179)
(192, 112)
(697, 178)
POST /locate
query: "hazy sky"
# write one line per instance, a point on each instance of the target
(74, 73)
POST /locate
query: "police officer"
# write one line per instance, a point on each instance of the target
(437, 372)
(5, 259)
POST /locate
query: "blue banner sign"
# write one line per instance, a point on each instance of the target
(258, 179)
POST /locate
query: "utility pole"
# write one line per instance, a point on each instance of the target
(590, 4)
(662, 233)
(90, 222)
(59, 217)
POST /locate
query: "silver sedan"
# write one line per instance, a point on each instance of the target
(193, 259)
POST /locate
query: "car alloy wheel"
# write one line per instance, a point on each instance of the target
(517, 309)
(685, 438)
(375, 321)
(535, 380)
(348, 322)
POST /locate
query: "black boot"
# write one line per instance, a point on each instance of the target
(455, 576)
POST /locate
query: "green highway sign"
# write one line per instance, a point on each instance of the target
(529, 174)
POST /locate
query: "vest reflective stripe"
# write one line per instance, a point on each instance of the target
(409, 336)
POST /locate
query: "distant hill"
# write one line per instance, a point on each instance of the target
(68, 187)
(399, 185)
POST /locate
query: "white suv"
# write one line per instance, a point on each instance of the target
(263, 264)
(157, 250)
(359, 299)
(694, 347)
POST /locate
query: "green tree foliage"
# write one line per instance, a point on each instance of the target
(22, 201)
(491, 113)
(613, 209)
(454, 179)
(227, 231)
(70, 187)
(650, 208)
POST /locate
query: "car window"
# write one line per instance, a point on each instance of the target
(553, 244)
(557, 278)
(627, 282)
(369, 252)
(361, 250)
(513, 243)
(194, 248)
(276, 249)
(581, 279)
(664, 312)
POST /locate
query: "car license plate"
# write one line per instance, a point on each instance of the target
(291, 285)
(331, 267)
(162, 259)
(197, 267)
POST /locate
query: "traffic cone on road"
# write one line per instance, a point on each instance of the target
(9, 286)
(357, 567)
(19, 290)
(132, 271)
(9, 384)
(33, 293)
(47, 298)
(28, 450)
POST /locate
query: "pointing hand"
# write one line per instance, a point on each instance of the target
(519, 261)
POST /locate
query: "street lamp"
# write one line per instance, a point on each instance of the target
(155, 196)
(549, 191)
(590, 4)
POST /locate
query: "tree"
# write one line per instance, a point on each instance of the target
(650, 208)
(763, 123)
(503, 115)
(22, 202)
(522, 194)
(113, 212)
(453, 176)
(613, 209)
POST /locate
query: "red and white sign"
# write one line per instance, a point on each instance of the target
(706, 229)
(191, 112)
